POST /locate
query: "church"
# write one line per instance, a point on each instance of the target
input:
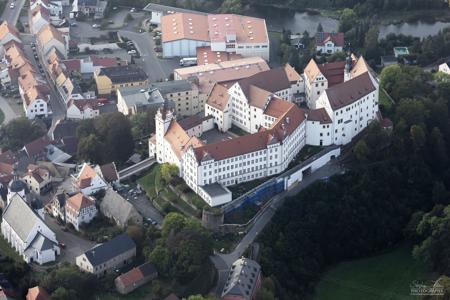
(23, 226)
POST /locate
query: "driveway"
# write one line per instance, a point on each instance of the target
(75, 245)
(7, 110)
(156, 68)
(146, 209)
(223, 262)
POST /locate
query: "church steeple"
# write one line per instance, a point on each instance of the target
(16, 186)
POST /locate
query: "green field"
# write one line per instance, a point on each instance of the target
(382, 277)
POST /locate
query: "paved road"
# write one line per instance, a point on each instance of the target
(75, 245)
(12, 15)
(7, 110)
(223, 262)
(146, 209)
(156, 68)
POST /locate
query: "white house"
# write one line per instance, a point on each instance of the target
(183, 33)
(80, 209)
(329, 42)
(444, 68)
(27, 233)
(88, 181)
(37, 179)
(8, 33)
(83, 109)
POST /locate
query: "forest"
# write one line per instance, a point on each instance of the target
(396, 189)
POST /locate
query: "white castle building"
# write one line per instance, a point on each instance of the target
(342, 99)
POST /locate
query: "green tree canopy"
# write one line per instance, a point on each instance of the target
(18, 132)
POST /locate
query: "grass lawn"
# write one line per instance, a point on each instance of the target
(6, 250)
(382, 277)
(2, 117)
(149, 183)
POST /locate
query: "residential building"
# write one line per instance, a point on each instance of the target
(90, 8)
(48, 38)
(183, 33)
(108, 257)
(8, 33)
(37, 179)
(136, 277)
(243, 281)
(80, 209)
(110, 79)
(88, 181)
(37, 293)
(39, 17)
(183, 94)
(115, 207)
(329, 42)
(108, 172)
(58, 204)
(83, 109)
(444, 68)
(132, 100)
(27, 233)
(158, 10)
(36, 101)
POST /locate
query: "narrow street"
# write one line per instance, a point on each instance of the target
(12, 15)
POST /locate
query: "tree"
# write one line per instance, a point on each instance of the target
(439, 193)
(231, 7)
(418, 137)
(90, 149)
(168, 172)
(200, 297)
(64, 294)
(18, 132)
(371, 49)
(319, 28)
(347, 20)
(361, 151)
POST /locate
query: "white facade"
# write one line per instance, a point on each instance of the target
(329, 48)
(36, 108)
(444, 68)
(84, 215)
(54, 7)
(73, 112)
(182, 48)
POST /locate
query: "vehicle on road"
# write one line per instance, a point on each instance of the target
(188, 61)
(132, 52)
(110, 22)
(158, 49)
(62, 245)
(73, 24)
(95, 25)
(132, 9)
(12, 5)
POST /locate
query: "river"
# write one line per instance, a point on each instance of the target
(298, 22)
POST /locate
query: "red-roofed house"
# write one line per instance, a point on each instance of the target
(80, 209)
(37, 179)
(135, 278)
(83, 109)
(88, 181)
(329, 42)
(8, 33)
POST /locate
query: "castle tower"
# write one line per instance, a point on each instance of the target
(163, 118)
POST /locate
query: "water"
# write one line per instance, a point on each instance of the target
(298, 22)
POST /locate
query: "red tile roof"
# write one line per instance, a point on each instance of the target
(206, 56)
(37, 146)
(78, 202)
(37, 293)
(333, 72)
(218, 98)
(72, 65)
(319, 115)
(103, 61)
(336, 37)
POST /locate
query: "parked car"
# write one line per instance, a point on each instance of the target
(132, 52)
(132, 9)
(12, 5)
(95, 25)
(74, 24)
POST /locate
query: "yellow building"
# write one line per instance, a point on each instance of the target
(110, 79)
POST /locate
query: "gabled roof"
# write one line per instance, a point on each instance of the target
(333, 72)
(346, 93)
(103, 61)
(86, 175)
(242, 279)
(277, 108)
(109, 172)
(192, 121)
(72, 65)
(180, 26)
(21, 217)
(48, 33)
(77, 202)
(319, 115)
(179, 140)
(102, 253)
(41, 243)
(122, 74)
(137, 274)
(83, 104)
(218, 98)
(37, 146)
(6, 28)
(115, 206)
(324, 37)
